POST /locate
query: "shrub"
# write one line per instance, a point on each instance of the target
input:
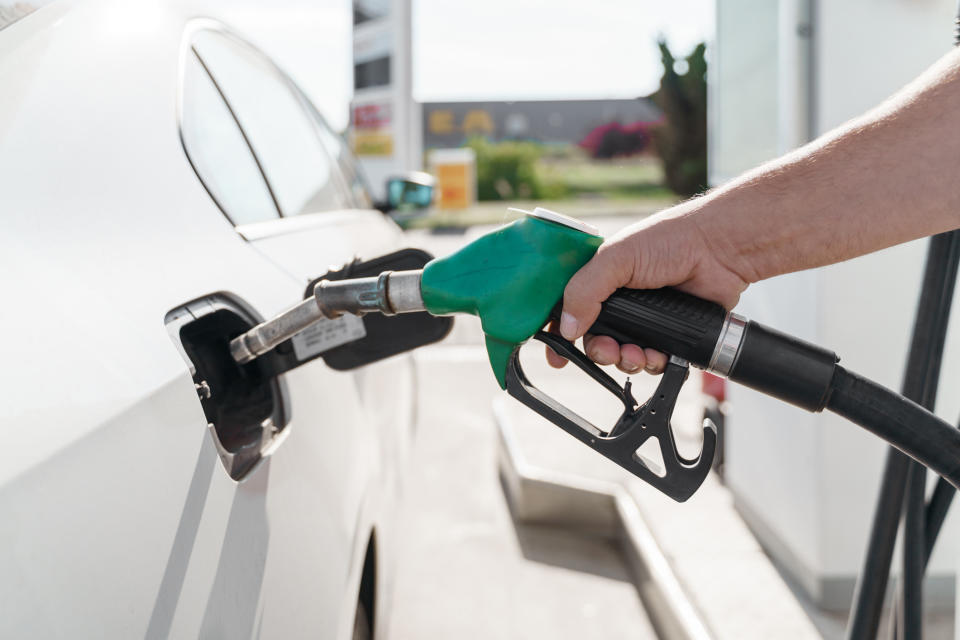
(507, 170)
(614, 140)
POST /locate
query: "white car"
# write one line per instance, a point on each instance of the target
(162, 187)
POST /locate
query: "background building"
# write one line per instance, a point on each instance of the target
(783, 73)
(450, 124)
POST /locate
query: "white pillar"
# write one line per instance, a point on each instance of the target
(385, 123)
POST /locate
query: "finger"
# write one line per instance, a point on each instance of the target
(554, 359)
(602, 349)
(632, 358)
(608, 270)
(656, 361)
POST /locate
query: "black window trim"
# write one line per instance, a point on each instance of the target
(246, 140)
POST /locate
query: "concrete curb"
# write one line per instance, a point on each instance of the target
(545, 497)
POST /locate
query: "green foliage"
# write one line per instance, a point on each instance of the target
(681, 141)
(622, 178)
(508, 171)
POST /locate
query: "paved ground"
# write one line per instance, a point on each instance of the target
(465, 570)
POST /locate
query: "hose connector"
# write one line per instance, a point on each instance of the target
(390, 293)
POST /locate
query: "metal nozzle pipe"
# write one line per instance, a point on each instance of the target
(266, 335)
(389, 293)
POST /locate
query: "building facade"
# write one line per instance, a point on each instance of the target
(451, 124)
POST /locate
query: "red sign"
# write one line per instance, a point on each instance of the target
(371, 116)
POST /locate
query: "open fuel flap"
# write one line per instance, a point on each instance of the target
(246, 405)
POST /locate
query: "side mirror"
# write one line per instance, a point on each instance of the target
(409, 192)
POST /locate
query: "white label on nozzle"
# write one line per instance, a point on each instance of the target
(559, 218)
(325, 334)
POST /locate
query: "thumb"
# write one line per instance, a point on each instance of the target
(607, 271)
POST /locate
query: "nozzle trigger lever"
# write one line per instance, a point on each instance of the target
(680, 477)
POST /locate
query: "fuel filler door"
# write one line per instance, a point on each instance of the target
(246, 405)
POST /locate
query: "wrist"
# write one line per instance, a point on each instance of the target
(727, 237)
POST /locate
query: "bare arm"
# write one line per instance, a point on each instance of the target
(884, 178)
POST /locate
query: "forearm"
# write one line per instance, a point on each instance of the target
(884, 178)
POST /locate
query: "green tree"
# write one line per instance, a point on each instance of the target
(681, 141)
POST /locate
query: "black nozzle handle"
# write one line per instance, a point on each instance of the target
(664, 319)
(777, 365)
(711, 338)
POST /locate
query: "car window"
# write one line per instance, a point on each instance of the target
(299, 170)
(338, 148)
(353, 176)
(218, 152)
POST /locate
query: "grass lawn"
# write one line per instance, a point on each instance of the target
(616, 178)
(629, 187)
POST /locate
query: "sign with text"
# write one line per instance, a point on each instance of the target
(372, 129)
(455, 170)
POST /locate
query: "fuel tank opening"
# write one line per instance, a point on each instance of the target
(244, 404)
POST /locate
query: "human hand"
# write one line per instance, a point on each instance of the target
(669, 249)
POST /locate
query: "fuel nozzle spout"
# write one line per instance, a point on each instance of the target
(390, 293)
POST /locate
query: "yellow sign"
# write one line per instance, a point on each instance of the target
(442, 121)
(456, 174)
(372, 144)
(453, 186)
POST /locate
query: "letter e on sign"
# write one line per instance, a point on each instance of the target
(441, 121)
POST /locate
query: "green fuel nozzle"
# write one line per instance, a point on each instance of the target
(511, 278)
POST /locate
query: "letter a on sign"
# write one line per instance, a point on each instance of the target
(477, 121)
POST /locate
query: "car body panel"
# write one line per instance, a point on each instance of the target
(117, 518)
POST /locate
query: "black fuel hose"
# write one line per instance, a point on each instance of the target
(778, 365)
(903, 423)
